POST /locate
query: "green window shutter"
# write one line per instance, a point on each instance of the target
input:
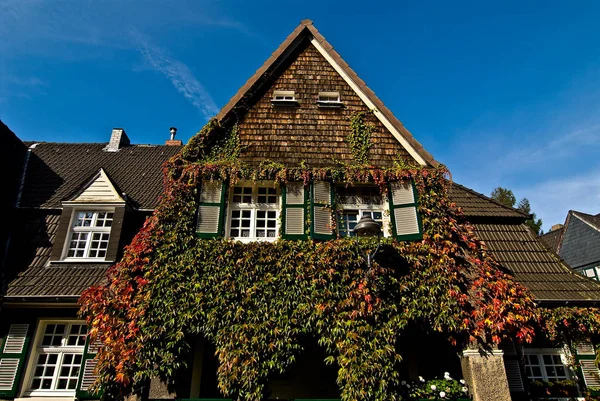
(406, 222)
(87, 375)
(211, 209)
(13, 350)
(586, 356)
(294, 211)
(321, 214)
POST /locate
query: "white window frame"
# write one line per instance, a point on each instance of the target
(361, 208)
(323, 99)
(594, 270)
(540, 352)
(37, 349)
(254, 207)
(284, 96)
(72, 229)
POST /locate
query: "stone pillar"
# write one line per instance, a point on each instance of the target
(159, 390)
(485, 375)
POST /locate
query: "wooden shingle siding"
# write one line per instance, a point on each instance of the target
(308, 132)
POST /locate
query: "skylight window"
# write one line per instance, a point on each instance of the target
(329, 99)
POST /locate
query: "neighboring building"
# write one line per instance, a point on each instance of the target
(577, 242)
(80, 204)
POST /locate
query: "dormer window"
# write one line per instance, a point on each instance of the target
(284, 98)
(89, 235)
(329, 99)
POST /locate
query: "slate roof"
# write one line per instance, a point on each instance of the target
(56, 170)
(478, 205)
(593, 220)
(552, 238)
(517, 249)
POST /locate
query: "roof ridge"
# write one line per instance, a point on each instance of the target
(307, 25)
(490, 199)
(592, 223)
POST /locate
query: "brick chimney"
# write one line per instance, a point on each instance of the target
(118, 139)
(556, 227)
(173, 141)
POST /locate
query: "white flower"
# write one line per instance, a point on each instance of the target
(442, 394)
(433, 387)
(403, 383)
(421, 379)
(464, 389)
(408, 386)
(447, 376)
(462, 381)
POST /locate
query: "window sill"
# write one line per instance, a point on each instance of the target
(246, 240)
(54, 397)
(82, 260)
(330, 105)
(284, 103)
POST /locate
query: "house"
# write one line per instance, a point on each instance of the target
(577, 242)
(80, 204)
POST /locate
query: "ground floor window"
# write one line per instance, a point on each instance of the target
(545, 364)
(58, 354)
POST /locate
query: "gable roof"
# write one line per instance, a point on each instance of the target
(306, 31)
(55, 171)
(590, 219)
(552, 238)
(100, 188)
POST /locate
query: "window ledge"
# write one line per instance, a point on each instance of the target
(249, 239)
(46, 397)
(284, 103)
(83, 260)
(330, 105)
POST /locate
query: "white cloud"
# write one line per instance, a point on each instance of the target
(552, 199)
(178, 73)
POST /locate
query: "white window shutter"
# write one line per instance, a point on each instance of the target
(12, 358)
(15, 340)
(88, 376)
(406, 224)
(211, 205)
(8, 373)
(294, 210)
(591, 374)
(322, 206)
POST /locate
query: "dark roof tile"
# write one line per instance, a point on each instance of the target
(517, 249)
(56, 170)
(475, 204)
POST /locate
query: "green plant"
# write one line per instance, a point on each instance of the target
(359, 137)
(254, 301)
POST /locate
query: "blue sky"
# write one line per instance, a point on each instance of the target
(504, 93)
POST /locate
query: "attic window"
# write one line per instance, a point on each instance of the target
(284, 98)
(329, 99)
(89, 235)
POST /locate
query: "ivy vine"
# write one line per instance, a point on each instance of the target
(254, 301)
(359, 137)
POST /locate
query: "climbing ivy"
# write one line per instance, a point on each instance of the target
(254, 301)
(359, 137)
